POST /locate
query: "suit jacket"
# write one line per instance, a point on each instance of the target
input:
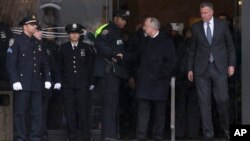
(222, 48)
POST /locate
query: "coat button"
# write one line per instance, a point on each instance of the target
(23, 54)
(34, 52)
(34, 64)
(74, 57)
(34, 58)
(34, 70)
(74, 62)
(21, 74)
(74, 67)
(74, 71)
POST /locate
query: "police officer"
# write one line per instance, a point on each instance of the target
(109, 69)
(74, 61)
(49, 53)
(5, 35)
(25, 61)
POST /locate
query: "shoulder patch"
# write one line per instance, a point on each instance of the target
(2, 35)
(11, 42)
(105, 32)
(9, 50)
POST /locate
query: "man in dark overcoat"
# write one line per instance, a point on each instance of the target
(157, 62)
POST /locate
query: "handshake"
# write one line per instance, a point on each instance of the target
(17, 86)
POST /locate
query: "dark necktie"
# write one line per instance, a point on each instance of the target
(209, 34)
(209, 38)
(74, 47)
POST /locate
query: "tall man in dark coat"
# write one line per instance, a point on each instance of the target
(109, 69)
(74, 61)
(211, 60)
(157, 62)
(25, 61)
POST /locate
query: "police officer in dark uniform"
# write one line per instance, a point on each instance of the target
(75, 64)
(25, 61)
(109, 69)
(5, 35)
(49, 52)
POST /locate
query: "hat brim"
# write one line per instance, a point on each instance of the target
(31, 22)
(122, 17)
(75, 31)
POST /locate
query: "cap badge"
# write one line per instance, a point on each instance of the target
(74, 26)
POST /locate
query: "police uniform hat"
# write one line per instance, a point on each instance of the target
(122, 13)
(28, 20)
(74, 27)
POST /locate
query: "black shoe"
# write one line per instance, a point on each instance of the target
(45, 138)
(226, 135)
(207, 139)
(140, 140)
(111, 139)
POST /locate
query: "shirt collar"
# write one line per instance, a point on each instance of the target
(156, 34)
(74, 44)
(211, 22)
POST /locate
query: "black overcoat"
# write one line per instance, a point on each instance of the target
(157, 62)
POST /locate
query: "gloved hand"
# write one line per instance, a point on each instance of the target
(17, 86)
(47, 85)
(57, 86)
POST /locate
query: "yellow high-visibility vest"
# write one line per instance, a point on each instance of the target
(99, 29)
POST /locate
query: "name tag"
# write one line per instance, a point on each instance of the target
(119, 42)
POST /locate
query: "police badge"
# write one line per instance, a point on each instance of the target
(105, 32)
(3, 35)
(11, 42)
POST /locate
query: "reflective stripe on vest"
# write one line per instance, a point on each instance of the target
(99, 29)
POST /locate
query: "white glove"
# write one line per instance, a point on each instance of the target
(47, 85)
(17, 86)
(91, 87)
(57, 86)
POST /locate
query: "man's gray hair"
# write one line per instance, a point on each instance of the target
(155, 23)
(207, 4)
